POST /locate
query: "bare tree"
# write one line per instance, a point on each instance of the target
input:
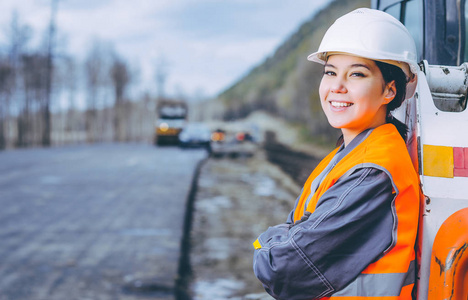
(49, 70)
(73, 125)
(97, 76)
(18, 35)
(6, 75)
(120, 78)
(30, 123)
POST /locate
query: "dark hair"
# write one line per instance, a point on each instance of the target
(390, 73)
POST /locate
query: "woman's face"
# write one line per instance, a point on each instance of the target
(354, 95)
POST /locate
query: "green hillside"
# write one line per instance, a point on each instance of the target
(286, 84)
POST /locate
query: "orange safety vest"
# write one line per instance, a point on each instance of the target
(393, 275)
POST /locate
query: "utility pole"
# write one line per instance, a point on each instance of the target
(46, 140)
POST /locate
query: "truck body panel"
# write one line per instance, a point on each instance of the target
(438, 141)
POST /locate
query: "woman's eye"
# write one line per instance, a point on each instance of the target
(357, 74)
(328, 73)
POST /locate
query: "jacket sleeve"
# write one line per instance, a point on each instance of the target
(353, 225)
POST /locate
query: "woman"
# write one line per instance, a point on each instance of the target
(352, 231)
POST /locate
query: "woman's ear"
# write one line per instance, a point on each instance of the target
(389, 92)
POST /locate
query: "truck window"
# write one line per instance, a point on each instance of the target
(413, 20)
(394, 10)
(410, 13)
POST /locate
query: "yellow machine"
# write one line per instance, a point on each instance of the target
(171, 119)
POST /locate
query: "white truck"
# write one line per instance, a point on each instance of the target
(438, 141)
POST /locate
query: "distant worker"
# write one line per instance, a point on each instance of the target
(352, 232)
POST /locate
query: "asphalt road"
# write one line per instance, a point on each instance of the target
(92, 222)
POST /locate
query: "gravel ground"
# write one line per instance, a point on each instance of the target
(236, 200)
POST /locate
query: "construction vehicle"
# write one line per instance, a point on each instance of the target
(438, 141)
(171, 117)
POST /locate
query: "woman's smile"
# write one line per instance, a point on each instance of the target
(340, 104)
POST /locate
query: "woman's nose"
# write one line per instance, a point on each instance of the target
(338, 86)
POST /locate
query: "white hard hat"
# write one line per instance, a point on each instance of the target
(371, 34)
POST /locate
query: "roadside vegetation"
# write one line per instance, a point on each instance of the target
(286, 84)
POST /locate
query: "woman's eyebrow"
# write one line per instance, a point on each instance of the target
(352, 66)
(360, 65)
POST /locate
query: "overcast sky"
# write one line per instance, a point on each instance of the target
(207, 44)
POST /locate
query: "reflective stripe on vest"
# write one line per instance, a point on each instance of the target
(393, 274)
(379, 285)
